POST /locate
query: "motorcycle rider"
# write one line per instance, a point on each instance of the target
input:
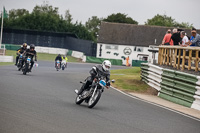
(31, 53)
(58, 58)
(98, 70)
(21, 51)
(65, 58)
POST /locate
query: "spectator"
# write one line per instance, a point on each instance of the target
(185, 39)
(167, 38)
(196, 40)
(127, 61)
(176, 37)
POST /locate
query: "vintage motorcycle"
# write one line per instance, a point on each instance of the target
(92, 95)
(63, 64)
(57, 65)
(26, 65)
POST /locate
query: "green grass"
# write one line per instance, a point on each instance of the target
(128, 80)
(6, 63)
(44, 56)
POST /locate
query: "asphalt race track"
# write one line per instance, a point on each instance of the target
(43, 101)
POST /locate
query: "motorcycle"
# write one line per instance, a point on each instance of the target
(19, 63)
(57, 65)
(63, 64)
(26, 65)
(92, 95)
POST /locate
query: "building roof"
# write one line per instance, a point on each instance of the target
(131, 34)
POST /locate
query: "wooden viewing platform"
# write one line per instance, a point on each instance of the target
(179, 57)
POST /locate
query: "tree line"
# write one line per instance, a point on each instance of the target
(47, 18)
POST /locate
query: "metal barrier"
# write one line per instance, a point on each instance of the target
(179, 57)
(2, 50)
(175, 86)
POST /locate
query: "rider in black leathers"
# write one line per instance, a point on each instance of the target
(98, 70)
(31, 53)
(58, 58)
(20, 51)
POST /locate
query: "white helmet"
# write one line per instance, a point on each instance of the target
(106, 65)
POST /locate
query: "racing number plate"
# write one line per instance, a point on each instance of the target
(28, 59)
(102, 83)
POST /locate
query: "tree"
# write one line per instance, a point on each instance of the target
(68, 16)
(183, 25)
(93, 25)
(13, 14)
(120, 18)
(46, 18)
(45, 9)
(164, 20)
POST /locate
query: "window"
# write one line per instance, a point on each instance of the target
(113, 47)
(139, 49)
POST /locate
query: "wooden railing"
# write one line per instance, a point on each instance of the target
(179, 57)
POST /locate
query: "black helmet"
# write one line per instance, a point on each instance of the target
(32, 46)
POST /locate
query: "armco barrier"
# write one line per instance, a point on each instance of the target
(12, 47)
(6, 58)
(77, 54)
(138, 62)
(90, 59)
(178, 87)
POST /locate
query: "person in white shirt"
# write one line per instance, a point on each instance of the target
(184, 39)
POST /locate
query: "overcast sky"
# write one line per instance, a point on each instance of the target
(139, 10)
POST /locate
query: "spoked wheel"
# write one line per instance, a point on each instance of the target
(79, 100)
(93, 100)
(25, 69)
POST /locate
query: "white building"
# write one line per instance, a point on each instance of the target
(118, 41)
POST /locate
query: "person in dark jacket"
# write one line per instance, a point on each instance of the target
(58, 58)
(102, 70)
(176, 37)
(31, 53)
(20, 51)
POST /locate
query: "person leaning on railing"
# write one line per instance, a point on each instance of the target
(176, 37)
(184, 43)
(196, 39)
(167, 38)
(185, 39)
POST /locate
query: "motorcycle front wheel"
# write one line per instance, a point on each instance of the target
(79, 100)
(25, 69)
(93, 100)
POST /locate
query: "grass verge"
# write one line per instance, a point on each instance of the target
(129, 80)
(6, 63)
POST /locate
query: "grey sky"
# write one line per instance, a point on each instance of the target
(139, 10)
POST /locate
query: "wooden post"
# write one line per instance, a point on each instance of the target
(167, 56)
(197, 61)
(171, 56)
(175, 57)
(162, 54)
(179, 58)
(159, 55)
(183, 59)
(190, 59)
